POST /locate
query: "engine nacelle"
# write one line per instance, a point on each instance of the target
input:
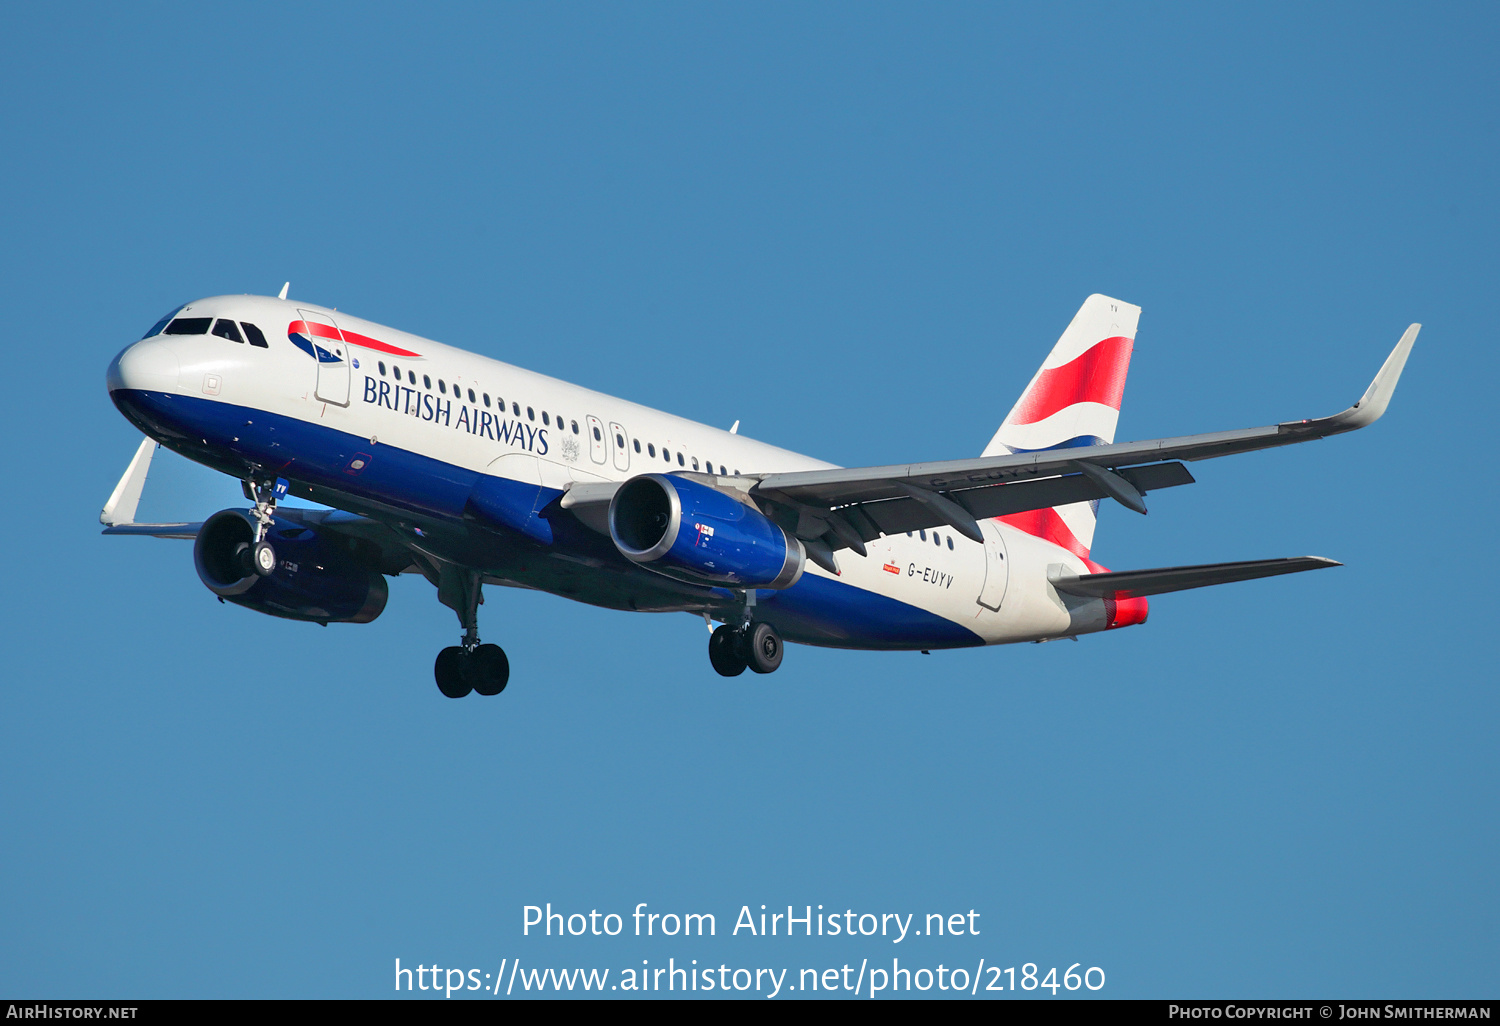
(317, 577)
(690, 531)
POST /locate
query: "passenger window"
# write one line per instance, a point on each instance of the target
(486, 399)
(559, 421)
(923, 534)
(189, 326)
(637, 445)
(575, 427)
(253, 334)
(695, 463)
(936, 540)
(515, 409)
(442, 387)
(427, 381)
(598, 437)
(471, 397)
(411, 376)
(680, 461)
(950, 544)
(382, 368)
(530, 413)
(666, 455)
(651, 449)
(226, 329)
(544, 417)
(619, 441)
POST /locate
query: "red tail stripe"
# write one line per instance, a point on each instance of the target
(1126, 612)
(1048, 526)
(354, 338)
(1096, 376)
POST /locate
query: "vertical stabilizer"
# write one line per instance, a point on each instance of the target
(1073, 400)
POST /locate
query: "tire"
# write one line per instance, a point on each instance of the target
(765, 648)
(449, 672)
(263, 559)
(488, 670)
(724, 652)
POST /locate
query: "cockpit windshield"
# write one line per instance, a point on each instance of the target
(189, 326)
(223, 327)
(156, 328)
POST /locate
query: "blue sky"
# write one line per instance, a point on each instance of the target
(857, 229)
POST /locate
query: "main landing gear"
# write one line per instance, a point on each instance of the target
(483, 669)
(468, 666)
(733, 649)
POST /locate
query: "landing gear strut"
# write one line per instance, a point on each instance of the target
(469, 665)
(260, 555)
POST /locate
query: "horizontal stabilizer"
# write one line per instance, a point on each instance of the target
(1139, 583)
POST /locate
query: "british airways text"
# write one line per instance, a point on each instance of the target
(425, 406)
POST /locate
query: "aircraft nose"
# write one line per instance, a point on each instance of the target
(147, 366)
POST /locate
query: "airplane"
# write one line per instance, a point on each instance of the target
(470, 471)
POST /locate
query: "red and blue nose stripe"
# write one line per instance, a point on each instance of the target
(302, 334)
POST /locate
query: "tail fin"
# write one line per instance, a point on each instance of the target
(1073, 400)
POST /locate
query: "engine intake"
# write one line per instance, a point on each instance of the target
(318, 577)
(690, 531)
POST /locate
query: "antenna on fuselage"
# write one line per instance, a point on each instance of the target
(282, 293)
(736, 429)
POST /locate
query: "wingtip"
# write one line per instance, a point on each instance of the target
(1372, 405)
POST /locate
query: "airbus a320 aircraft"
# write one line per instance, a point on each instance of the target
(470, 471)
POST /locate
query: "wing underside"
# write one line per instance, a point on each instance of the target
(843, 508)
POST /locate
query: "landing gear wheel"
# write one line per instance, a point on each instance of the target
(263, 558)
(488, 669)
(724, 651)
(765, 648)
(450, 671)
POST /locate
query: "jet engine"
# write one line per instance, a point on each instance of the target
(319, 577)
(692, 532)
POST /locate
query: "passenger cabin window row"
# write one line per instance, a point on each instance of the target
(936, 540)
(223, 327)
(682, 459)
(477, 398)
(243, 331)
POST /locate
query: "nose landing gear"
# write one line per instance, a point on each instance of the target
(259, 557)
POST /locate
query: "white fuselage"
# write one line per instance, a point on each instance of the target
(529, 427)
